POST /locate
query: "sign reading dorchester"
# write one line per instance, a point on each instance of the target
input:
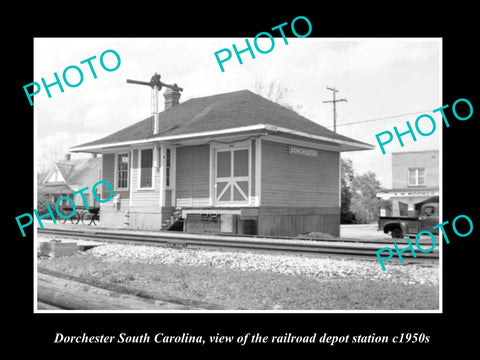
(296, 150)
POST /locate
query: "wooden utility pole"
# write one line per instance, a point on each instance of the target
(334, 101)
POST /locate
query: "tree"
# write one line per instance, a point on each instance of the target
(346, 216)
(49, 155)
(367, 185)
(365, 203)
(276, 92)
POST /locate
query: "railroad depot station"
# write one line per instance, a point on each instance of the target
(228, 163)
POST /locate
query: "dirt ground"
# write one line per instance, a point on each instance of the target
(362, 231)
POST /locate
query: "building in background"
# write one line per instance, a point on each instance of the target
(415, 178)
(68, 176)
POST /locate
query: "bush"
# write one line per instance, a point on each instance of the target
(367, 210)
(347, 217)
(42, 201)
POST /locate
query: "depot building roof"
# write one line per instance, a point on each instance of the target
(234, 113)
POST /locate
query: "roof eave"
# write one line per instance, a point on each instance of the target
(100, 147)
(344, 144)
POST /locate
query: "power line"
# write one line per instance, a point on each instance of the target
(383, 118)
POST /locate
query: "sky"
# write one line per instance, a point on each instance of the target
(381, 78)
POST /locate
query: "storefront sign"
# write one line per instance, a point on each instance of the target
(296, 150)
(413, 193)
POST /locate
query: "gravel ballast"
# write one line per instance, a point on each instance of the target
(311, 267)
(241, 280)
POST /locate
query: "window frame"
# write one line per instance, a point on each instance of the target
(416, 176)
(139, 175)
(115, 177)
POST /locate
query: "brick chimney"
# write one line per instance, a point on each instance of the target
(172, 98)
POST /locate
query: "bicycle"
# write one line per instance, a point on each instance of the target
(67, 211)
(89, 217)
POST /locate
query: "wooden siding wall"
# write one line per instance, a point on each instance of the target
(145, 199)
(299, 181)
(145, 211)
(281, 221)
(193, 176)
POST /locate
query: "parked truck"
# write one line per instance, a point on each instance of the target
(401, 226)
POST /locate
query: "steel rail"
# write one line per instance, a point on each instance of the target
(181, 239)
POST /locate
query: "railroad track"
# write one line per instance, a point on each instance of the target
(349, 248)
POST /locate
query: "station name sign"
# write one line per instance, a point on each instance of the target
(297, 150)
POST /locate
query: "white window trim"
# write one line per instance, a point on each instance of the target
(139, 172)
(163, 173)
(115, 172)
(214, 148)
(416, 176)
(130, 178)
(160, 163)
